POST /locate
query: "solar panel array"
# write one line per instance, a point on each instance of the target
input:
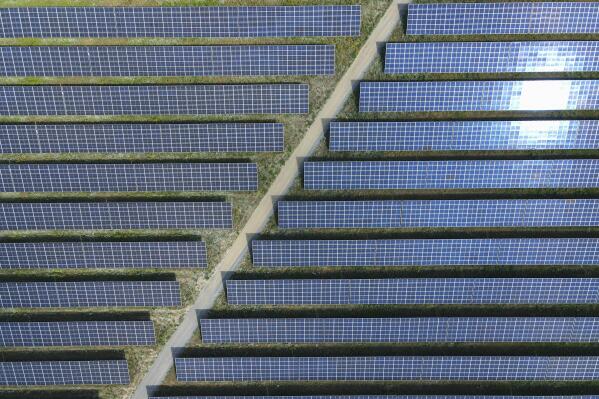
(426, 252)
(479, 95)
(89, 294)
(438, 213)
(155, 100)
(414, 291)
(471, 174)
(102, 255)
(433, 329)
(168, 60)
(388, 368)
(270, 21)
(115, 215)
(463, 135)
(492, 57)
(76, 333)
(503, 18)
(64, 372)
(128, 177)
(209, 137)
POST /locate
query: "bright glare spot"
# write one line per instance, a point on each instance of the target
(542, 95)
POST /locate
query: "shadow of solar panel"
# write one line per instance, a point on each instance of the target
(102, 255)
(76, 333)
(155, 100)
(269, 21)
(492, 57)
(479, 95)
(413, 291)
(376, 330)
(64, 372)
(115, 215)
(390, 368)
(425, 252)
(377, 397)
(503, 18)
(128, 177)
(437, 213)
(168, 60)
(463, 135)
(441, 175)
(89, 294)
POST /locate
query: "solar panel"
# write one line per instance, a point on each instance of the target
(269, 21)
(376, 330)
(98, 177)
(414, 291)
(377, 397)
(168, 60)
(89, 294)
(115, 215)
(102, 255)
(426, 252)
(442, 175)
(388, 368)
(64, 372)
(503, 18)
(491, 57)
(463, 135)
(155, 100)
(479, 95)
(438, 213)
(77, 333)
(156, 137)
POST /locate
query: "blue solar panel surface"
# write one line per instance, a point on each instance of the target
(438, 213)
(463, 135)
(491, 57)
(168, 60)
(128, 177)
(157, 137)
(479, 95)
(89, 294)
(414, 291)
(433, 329)
(102, 255)
(426, 252)
(388, 368)
(64, 372)
(270, 21)
(471, 174)
(76, 333)
(503, 18)
(155, 100)
(115, 215)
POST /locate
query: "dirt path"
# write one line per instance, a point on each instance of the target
(261, 215)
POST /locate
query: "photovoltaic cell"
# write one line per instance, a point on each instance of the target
(76, 333)
(64, 372)
(128, 177)
(270, 21)
(102, 255)
(491, 57)
(438, 213)
(426, 252)
(463, 135)
(155, 100)
(168, 60)
(89, 294)
(388, 368)
(442, 175)
(432, 329)
(115, 215)
(414, 291)
(503, 18)
(156, 137)
(479, 95)
(377, 397)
